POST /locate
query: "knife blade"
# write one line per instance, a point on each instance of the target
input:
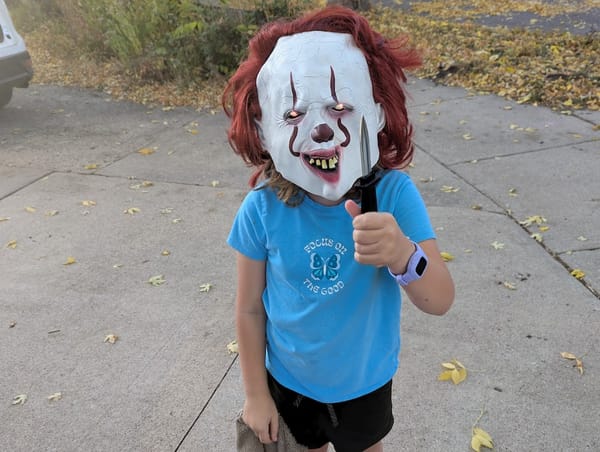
(369, 179)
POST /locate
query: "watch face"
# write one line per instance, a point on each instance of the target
(421, 265)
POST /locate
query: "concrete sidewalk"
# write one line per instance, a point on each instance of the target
(168, 383)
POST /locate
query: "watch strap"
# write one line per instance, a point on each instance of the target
(415, 268)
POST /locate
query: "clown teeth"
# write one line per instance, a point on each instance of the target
(324, 163)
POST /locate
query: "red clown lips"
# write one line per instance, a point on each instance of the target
(325, 163)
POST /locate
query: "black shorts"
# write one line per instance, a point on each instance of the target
(351, 426)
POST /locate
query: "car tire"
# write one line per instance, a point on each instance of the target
(5, 96)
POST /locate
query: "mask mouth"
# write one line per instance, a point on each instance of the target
(326, 160)
(324, 163)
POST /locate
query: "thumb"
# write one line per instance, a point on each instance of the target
(274, 428)
(352, 208)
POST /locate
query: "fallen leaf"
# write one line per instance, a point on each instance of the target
(481, 438)
(4, 219)
(70, 261)
(467, 136)
(54, 397)
(534, 219)
(12, 244)
(157, 280)
(578, 273)
(111, 338)
(132, 210)
(51, 213)
(232, 347)
(12, 324)
(30, 209)
(449, 189)
(205, 287)
(497, 245)
(454, 371)
(91, 166)
(578, 362)
(215, 183)
(19, 399)
(88, 203)
(447, 257)
(509, 285)
(165, 252)
(146, 151)
(537, 237)
(582, 238)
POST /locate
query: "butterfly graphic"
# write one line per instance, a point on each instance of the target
(324, 268)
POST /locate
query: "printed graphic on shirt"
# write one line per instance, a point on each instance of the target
(325, 259)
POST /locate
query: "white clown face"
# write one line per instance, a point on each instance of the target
(313, 91)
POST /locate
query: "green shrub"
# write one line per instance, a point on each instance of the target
(157, 40)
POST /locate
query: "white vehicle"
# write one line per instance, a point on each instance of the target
(16, 69)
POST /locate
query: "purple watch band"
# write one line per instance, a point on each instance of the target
(415, 268)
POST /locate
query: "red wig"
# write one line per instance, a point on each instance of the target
(386, 60)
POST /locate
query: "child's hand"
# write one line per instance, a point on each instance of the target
(260, 414)
(378, 240)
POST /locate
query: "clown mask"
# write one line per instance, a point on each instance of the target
(313, 91)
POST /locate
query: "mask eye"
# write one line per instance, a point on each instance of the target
(292, 115)
(340, 108)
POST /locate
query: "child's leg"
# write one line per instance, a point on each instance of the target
(376, 447)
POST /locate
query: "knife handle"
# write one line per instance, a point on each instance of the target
(368, 199)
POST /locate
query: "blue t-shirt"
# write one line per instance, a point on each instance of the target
(333, 325)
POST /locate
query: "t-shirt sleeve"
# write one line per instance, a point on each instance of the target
(248, 235)
(411, 213)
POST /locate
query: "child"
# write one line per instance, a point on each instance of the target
(318, 299)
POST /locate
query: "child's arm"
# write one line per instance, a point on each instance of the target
(379, 241)
(260, 413)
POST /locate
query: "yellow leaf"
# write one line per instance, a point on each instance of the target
(578, 273)
(70, 260)
(467, 137)
(91, 166)
(458, 375)
(12, 244)
(205, 287)
(232, 347)
(445, 375)
(165, 252)
(54, 397)
(132, 210)
(215, 183)
(30, 209)
(537, 237)
(579, 365)
(447, 257)
(497, 245)
(482, 438)
(111, 338)
(4, 219)
(509, 285)
(156, 280)
(146, 151)
(449, 189)
(475, 443)
(19, 399)
(534, 219)
(568, 355)
(88, 203)
(455, 371)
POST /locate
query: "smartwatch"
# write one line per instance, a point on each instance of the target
(415, 268)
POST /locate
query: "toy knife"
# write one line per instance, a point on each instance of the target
(368, 197)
